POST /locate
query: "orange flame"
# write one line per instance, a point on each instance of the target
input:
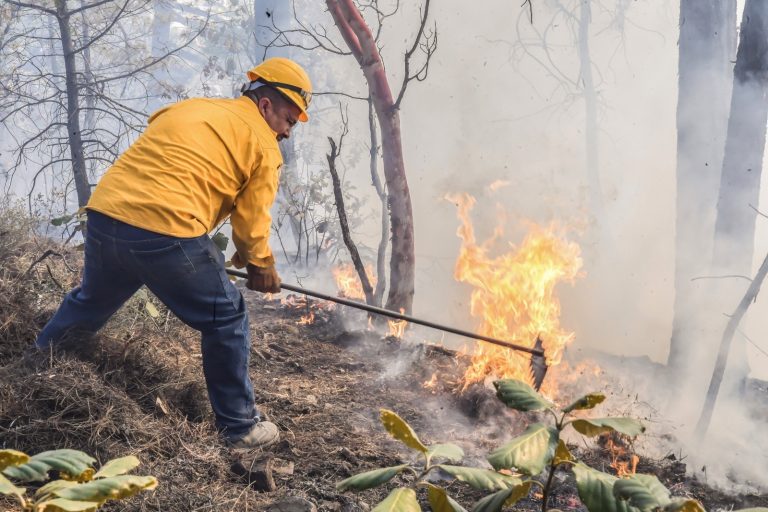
(397, 327)
(618, 452)
(514, 295)
(307, 319)
(432, 382)
(348, 282)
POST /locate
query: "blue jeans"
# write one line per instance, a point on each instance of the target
(187, 275)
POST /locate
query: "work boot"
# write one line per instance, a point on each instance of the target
(262, 434)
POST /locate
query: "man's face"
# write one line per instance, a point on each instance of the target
(280, 115)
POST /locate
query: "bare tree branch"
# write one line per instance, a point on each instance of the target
(32, 6)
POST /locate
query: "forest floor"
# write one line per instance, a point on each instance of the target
(137, 388)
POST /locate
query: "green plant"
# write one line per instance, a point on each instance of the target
(78, 488)
(540, 448)
(403, 498)
(520, 464)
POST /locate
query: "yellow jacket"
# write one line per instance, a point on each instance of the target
(198, 162)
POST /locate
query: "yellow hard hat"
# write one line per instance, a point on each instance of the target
(287, 77)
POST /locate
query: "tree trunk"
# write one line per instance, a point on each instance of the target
(707, 43)
(357, 261)
(361, 42)
(590, 112)
(742, 169)
(381, 251)
(743, 160)
(73, 106)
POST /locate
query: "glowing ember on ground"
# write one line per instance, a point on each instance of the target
(307, 319)
(432, 382)
(348, 282)
(514, 295)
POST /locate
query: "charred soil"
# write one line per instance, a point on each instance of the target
(137, 388)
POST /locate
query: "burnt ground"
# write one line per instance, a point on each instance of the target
(137, 388)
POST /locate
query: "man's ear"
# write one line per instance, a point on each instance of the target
(264, 104)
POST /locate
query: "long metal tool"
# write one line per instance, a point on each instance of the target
(539, 352)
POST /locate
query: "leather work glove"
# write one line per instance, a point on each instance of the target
(236, 261)
(263, 279)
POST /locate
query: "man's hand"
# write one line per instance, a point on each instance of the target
(263, 279)
(236, 261)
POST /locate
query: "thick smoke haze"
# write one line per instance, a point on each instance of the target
(490, 112)
(496, 108)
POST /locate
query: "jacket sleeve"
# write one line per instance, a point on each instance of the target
(251, 219)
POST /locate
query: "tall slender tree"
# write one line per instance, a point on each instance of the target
(361, 42)
(741, 171)
(707, 44)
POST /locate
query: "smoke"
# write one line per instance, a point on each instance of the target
(489, 112)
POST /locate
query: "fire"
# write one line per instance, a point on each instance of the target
(348, 282)
(514, 295)
(623, 461)
(432, 382)
(397, 327)
(307, 319)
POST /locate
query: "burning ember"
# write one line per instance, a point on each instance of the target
(514, 295)
(307, 319)
(348, 282)
(309, 308)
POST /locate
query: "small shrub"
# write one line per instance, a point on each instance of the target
(78, 488)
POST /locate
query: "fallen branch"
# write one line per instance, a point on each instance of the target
(725, 346)
(47, 253)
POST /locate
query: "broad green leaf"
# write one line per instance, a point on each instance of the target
(596, 490)
(52, 487)
(399, 500)
(592, 427)
(62, 505)
(117, 467)
(530, 453)
(562, 454)
(440, 501)
(586, 402)
(221, 241)
(7, 487)
(520, 396)
(447, 451)
(506, 498)
(12, 458)
(112, 488)
(683, 505)
(71, 463)
(369, 479)
(400, 430)
(482, 479)
(642, 491)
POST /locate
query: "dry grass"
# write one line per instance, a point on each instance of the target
(136, 388)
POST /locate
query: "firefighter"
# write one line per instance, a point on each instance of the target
(199, 162)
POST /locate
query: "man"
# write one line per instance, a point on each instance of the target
(198, 162)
